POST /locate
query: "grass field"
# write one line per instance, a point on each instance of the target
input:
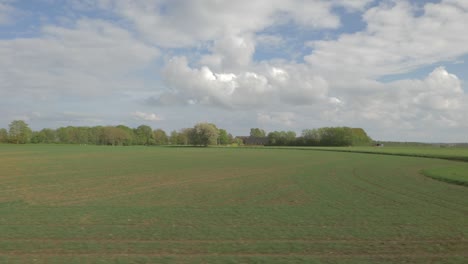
(90, 204)
(453, 153)
(456, 173)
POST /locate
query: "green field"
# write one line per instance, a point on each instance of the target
(90, 204)
(453, 153)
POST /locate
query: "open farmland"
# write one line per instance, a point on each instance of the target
(450, 153)
(89, 204)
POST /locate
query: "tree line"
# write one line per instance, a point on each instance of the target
(202, 134)
(325, 136)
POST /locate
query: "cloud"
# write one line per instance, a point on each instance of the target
(88, 59)
(353, 5)
(65, 118)
(433, 108)
(439, 91)
(277, 118)
(335, 68)
(396, 40)
(269, 41)
(173, 24)
(266, 85)
(230, 53)
(202, 86)
(435, 102)
(298, 85)
(6, 12)
(113, 55)
(146, 116)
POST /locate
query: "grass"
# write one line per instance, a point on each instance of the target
(91, 204)
(456, 173)
(449, 153)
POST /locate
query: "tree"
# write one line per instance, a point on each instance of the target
(183, 136)
(257, 132)
(131, 135)
(282, 138)
(311, 137)
(224, 137)
(360, 137)
(114, 136)
(238, 141)
(3, 135)
(335, 136)
(173, 137)
(67, 135)
(46, 135)
(144, 135)
(204, 134)
(35, 137)
(160, 137)
(274, 138)
(19, 132)
(94, 135)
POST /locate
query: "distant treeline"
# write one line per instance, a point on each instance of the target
(202, 134)
(326, 136)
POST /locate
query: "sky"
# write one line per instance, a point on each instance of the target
(397, 68)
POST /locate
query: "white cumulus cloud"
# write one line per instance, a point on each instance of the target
(431, 104)
(396, 40)
(184, 23)
(87, 59)
(146, 116)
(262, 86)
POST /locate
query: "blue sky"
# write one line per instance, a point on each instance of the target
(396, 68)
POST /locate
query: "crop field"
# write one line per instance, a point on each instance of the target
(90, 204)
(451, 153)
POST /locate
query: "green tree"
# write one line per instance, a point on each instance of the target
(160, 137)
(311, 137)
(3, 135)
(360, 137)
(144, 135)
(114, 136)
(19, 132)
(130, 132)
(94, 135)
(336, 136)
(257, 132)
(183, 136)
(35, 137)
(173, 137)
(64, 134)
(48, 135)
(282, 138)
(73, 135)
(204, 134)
(224, 137)
(238, 141)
